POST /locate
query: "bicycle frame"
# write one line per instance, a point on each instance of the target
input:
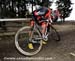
(39, 28)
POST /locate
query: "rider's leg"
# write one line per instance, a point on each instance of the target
(31, 25)
(30, 45)
(44, 27)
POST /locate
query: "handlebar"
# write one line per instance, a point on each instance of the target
(48, 21)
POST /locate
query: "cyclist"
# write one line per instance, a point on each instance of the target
(40, 16)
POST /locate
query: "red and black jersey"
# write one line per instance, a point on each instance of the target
(42, 13)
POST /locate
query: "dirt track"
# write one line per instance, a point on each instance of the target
(63, 50)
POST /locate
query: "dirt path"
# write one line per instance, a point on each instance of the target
(53, 51)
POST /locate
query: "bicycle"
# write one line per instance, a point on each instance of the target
(22, 38)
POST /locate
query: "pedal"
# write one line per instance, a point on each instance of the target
(44, 42)
(30, 46)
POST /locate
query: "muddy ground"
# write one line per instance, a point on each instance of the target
(64, 50)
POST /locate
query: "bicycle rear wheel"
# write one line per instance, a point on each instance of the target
(54, 34)
(22, 39)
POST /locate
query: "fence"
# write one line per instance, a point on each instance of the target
(12, 25)
(16, 19)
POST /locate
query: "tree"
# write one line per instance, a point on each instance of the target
(64, 7)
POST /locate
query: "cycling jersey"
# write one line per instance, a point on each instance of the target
(41, 14)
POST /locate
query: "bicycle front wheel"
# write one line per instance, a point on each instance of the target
(54, 34)
(22, 39)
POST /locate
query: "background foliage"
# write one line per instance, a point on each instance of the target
(17, 8)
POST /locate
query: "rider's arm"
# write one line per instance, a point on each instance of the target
(49, 15)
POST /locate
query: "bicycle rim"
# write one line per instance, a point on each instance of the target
(22, 37)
